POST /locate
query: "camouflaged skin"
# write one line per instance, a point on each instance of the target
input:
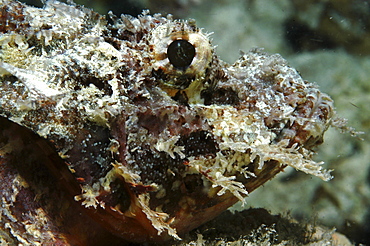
(146, 148)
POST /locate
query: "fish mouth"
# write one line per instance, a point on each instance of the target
(307, 124)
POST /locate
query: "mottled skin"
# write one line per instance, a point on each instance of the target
(121, 136)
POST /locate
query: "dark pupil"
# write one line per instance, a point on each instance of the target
(181, 54)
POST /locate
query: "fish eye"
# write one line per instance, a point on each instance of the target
(181, 58)
(181, 53)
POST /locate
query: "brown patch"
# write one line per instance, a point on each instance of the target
(180, 36)
(152, 121)
(198, 143)
(12, 18)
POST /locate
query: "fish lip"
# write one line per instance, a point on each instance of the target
(308, 122)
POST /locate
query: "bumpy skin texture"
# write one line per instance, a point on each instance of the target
(121, 136)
